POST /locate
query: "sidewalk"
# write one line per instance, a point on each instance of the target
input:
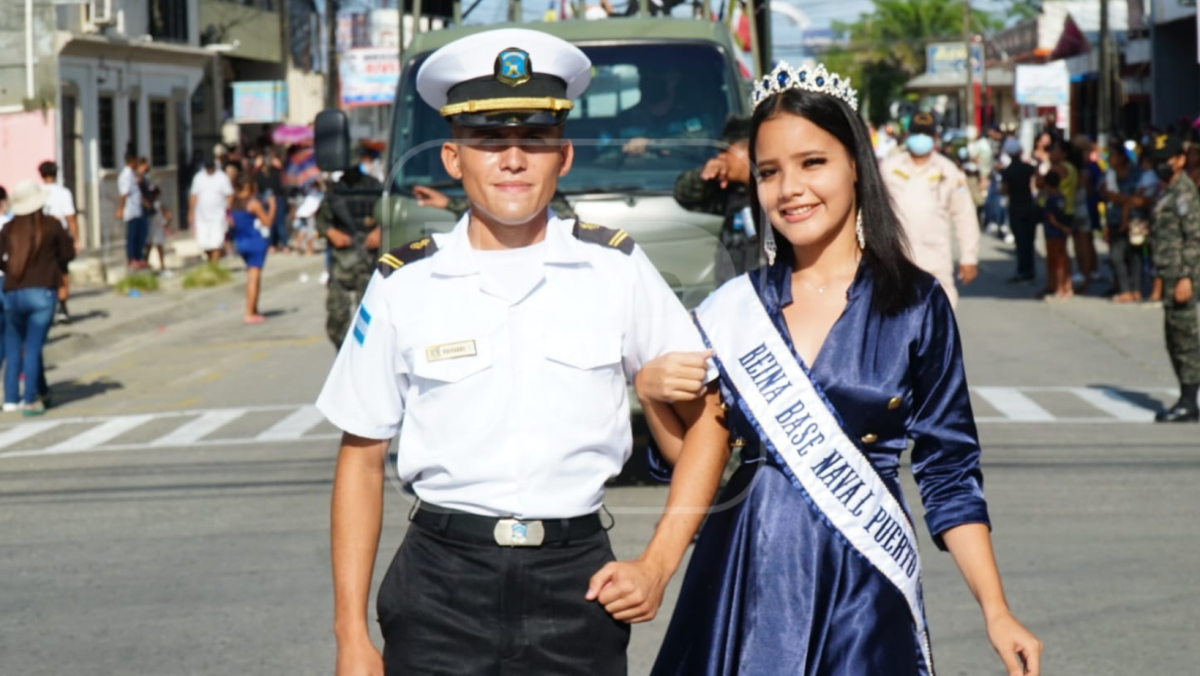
(101, 317)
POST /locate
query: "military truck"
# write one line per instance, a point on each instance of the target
(662, 90)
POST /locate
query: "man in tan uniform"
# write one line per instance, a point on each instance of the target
(932, 200)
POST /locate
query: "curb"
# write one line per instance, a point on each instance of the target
(176, 305)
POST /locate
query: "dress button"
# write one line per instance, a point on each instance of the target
(869, 438)
(738, 443)
(894, 403)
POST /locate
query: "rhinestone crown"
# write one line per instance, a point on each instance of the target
(812, 78)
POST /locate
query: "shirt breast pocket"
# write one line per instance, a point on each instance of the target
(584, 368)
(441, 366)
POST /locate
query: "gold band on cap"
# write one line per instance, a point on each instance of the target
(512, 103)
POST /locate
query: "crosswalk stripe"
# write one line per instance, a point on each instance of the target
(1014, 405)
(194, 430)
(15, 435)
(294, 426)
(99, 434)
(1113, 403)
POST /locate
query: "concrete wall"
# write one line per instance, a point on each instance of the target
(26, 140)
(256, 32)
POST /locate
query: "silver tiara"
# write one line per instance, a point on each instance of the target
(813, 79)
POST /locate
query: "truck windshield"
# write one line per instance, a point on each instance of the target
(651, 112)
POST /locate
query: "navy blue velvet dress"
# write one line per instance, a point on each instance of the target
(771, 588)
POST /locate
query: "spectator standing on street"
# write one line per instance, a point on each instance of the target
(270, 182)
(1057, 230)
(1016, 181)
(250, 232)
(346, 218)
(60, 205)
(34, 249)
(934, 204)
(719, 187)
(1148, 189)
(208, 205)
(131, 211)
(1176, 247)
(1126, 214)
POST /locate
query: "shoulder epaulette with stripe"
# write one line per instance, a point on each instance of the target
(407, 253)
(597, 234)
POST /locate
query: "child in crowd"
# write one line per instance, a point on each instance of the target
(1057, 231)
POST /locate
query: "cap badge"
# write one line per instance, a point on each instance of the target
(1160, 142)
(513, 67)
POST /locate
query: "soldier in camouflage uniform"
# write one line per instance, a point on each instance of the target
(428, 197)
(720, 188)
(346, 219)
(1175, 242)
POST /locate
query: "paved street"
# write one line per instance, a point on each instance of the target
(171, 515)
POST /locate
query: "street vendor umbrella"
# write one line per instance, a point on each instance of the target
(292, 134)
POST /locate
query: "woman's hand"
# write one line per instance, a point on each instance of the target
(673, 377)
(1020, 650)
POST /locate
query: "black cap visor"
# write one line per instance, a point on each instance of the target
(510, 118)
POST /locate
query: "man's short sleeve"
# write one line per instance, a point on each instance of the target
(226, 186)
(125, 182)
(364, 393)
(659, 324)
(66, 201)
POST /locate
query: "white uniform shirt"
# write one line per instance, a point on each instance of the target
(59, 202)
(506, 407)
(127, 185)
(212, 193)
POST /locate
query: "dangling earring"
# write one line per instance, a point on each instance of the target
(858, 230)
(769, 242)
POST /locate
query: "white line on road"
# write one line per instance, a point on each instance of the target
(15, 435)
(194, 430)
(100, 434)
(246, 441)
(1113, 403)
(1013, 404)
(294, 426)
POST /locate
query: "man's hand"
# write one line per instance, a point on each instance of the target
(967, 273)
(716, 169)
(636, 146)
(374, 239)
(631, 591)
(337, 238)
(359, 658)
(120, 213)
(673, 377)
(1183, 291)
(428, 197)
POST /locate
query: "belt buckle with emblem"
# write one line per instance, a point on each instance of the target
(517, 533)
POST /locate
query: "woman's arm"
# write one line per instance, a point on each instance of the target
(971, 546)
(256, 208)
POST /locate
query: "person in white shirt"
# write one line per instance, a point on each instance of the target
(499, 353)
(132, 213)
(208, 207)
(60, 204)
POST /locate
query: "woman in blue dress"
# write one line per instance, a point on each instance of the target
(833, 357)
(250, 221)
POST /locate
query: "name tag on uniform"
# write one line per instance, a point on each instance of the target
(463, 348)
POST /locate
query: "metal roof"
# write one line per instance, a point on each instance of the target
(996, 77)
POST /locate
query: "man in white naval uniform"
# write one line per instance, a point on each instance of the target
(499, 353)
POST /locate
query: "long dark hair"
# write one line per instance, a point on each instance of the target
(895, 277)
(24, 238)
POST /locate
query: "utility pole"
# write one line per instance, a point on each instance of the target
(1104, 115)
(332, 62)
(969, 117)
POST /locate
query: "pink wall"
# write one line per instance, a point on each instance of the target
(26, 140)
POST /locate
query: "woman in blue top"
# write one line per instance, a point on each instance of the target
(832, 358)
(250, 221)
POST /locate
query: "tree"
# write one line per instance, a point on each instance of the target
(887, 45)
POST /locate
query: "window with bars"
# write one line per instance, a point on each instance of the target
(108, 132)
(159, 153)
(168, 20)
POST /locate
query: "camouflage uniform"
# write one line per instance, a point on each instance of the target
(349, 206)
(738, 252)
(459, 205)
(1175, 242)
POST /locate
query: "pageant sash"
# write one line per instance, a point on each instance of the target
(798, 426)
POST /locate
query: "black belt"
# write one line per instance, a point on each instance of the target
(506, 532)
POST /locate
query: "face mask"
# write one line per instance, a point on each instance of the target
(1165, 171)
(919, 144)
